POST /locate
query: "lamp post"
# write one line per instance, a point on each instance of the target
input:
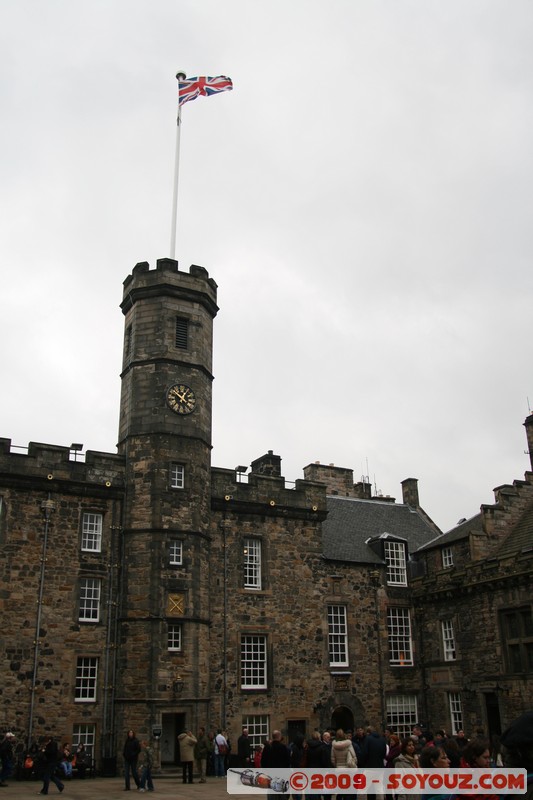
(47, 508)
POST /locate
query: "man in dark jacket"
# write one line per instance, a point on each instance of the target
(373, 751)
(277, 755)
(518, 747)
(318, 756)
(358, 741)
(6, 756)
(51, 760)
(244, 749)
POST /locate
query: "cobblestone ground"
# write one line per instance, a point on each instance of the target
(113, 789)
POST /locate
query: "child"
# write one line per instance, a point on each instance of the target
(146, 761)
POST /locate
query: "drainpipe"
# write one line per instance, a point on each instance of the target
(47, 507)
(375, 577)
(108, 711)
(225, 642)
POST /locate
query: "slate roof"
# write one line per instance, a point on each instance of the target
(461, 531)
(351, 522)
(520, 540)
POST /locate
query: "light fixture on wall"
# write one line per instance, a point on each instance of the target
(240, 471)
(76, 447)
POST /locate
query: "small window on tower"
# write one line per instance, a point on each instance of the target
(182, 333)
(177, 476)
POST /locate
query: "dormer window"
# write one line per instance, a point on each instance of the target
(447, 557)
(396, 563)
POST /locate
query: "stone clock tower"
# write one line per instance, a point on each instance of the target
(165, 438)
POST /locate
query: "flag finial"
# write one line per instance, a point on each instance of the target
(180, 76)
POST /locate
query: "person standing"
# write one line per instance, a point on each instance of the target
(202, 748)
(244, 749)
(51, 760)
(342, 754)
(6, 754)
(374, 751)
(476, 755)
(146, 758)
(358, 741)
(434, 757)
(221, 750)
(298, 757)
(328, 744)
(518, 743)
(393, 751)
(132, 748)
(187, 742)
(407, 760)
(277, 755)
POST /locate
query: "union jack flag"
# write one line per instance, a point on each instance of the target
(190, 88)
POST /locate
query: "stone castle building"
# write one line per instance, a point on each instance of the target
(148, 589)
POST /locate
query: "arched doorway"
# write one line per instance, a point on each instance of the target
(342, 717)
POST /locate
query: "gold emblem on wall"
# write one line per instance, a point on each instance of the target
(176, 605)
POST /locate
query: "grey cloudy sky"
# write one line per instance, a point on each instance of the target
(362, 198)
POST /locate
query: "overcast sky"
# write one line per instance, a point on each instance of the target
(363, 198)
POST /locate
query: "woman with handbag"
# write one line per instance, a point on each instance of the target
(342, 754)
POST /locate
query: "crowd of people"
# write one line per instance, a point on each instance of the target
(208, 753)
(367, 748)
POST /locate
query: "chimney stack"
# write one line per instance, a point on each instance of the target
(410, 492)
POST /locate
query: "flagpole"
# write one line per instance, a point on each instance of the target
(179, 76)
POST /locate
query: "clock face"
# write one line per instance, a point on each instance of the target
(181, 399)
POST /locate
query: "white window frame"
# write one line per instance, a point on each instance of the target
(447, 557)
(402, 713)
(91, 532)
(400, 638)
(90, 594)
(175, 556)
(86, 679)
(174, 637)
(448, 640)
(258, 728)
(338, 636)
(177, 475)
(254, 661)
(456, 712)
(395, 558)
(84, 733)
(252, 563)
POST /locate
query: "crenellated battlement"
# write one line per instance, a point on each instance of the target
(51, 463)
(266, 494)
(166, 280)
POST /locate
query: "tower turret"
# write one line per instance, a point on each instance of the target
(165, 437)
